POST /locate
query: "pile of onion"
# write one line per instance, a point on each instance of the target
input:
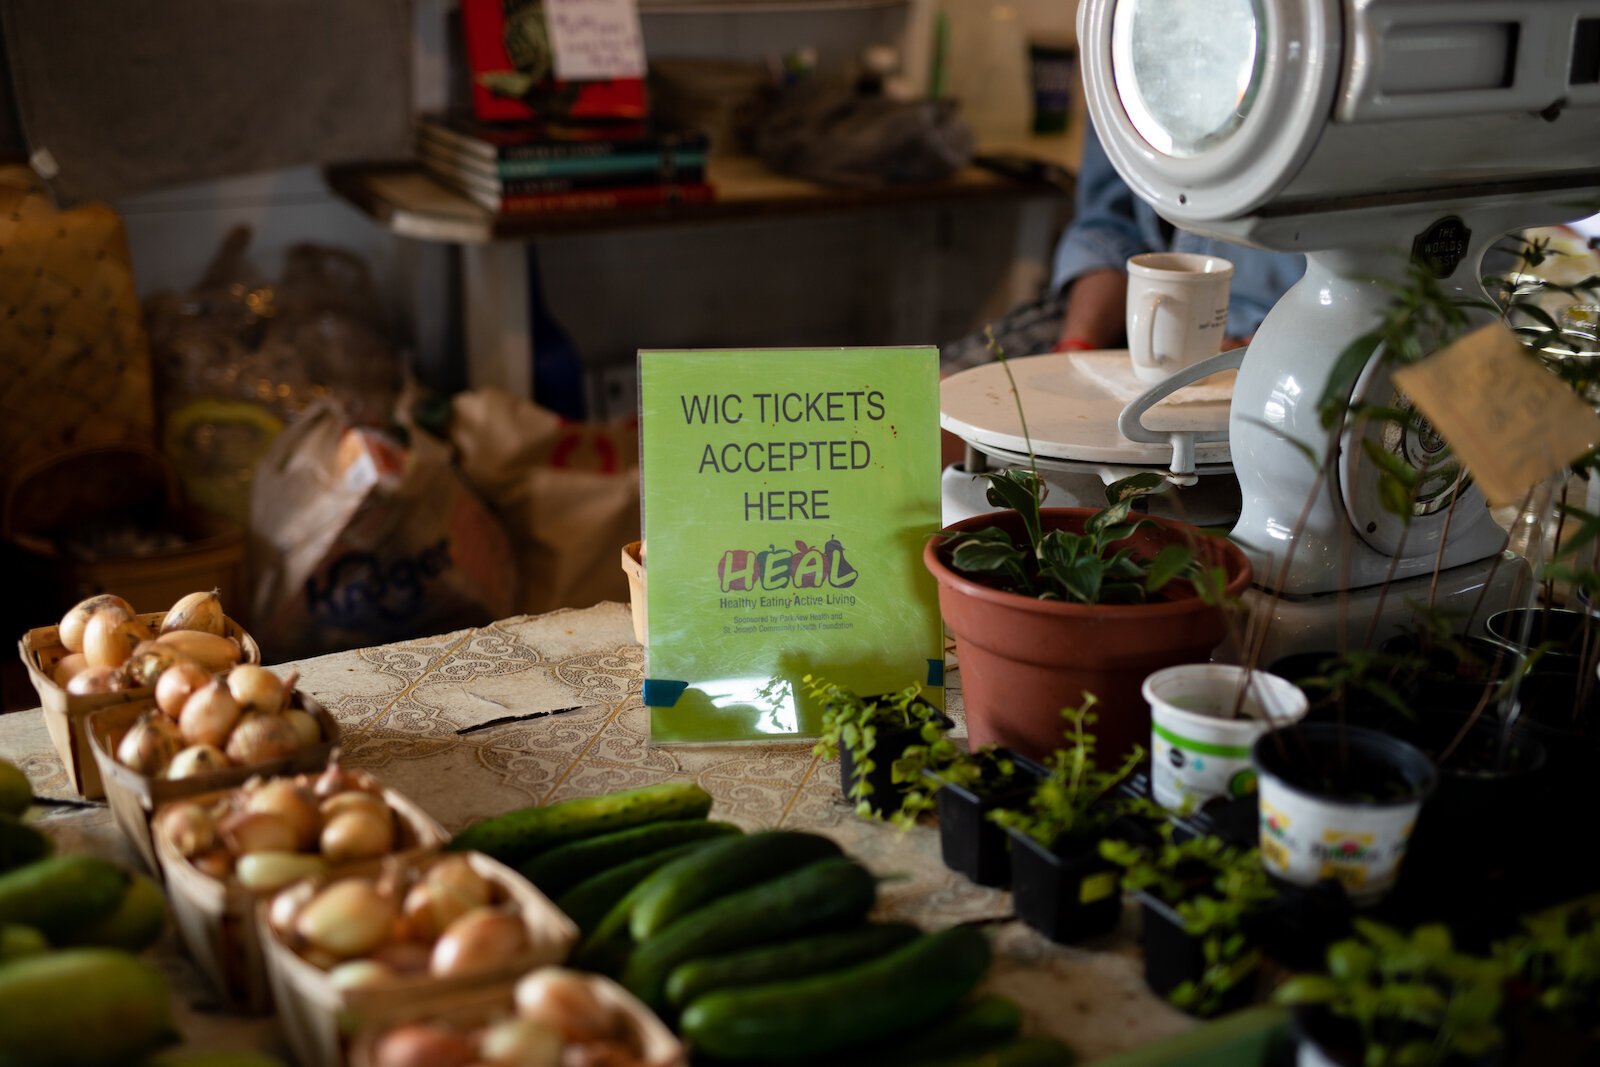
(562, 1020)
(273, 831)
(109, 648)
(239, 719)
(442, 920)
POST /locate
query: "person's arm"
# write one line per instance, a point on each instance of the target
(1090, 258)
(1096, 301)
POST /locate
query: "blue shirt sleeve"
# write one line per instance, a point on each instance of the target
(1105, 228)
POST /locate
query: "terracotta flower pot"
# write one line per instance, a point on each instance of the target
(1024, 659)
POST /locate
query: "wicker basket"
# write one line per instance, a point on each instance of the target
(134, 797)
(64, 712)
(468, 1009)
(316, 1018)
(216, 919)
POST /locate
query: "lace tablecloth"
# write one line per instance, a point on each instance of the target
(540, 708)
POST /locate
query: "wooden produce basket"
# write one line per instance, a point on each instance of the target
(317, 1018)
(216, 919)
(474, 1008)
(65, 713)
(633, 567)
(134, 797)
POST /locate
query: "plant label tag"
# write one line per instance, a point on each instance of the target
(1512, 422)
(787, 498)
(595, 40)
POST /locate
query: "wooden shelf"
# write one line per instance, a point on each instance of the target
(407, 200)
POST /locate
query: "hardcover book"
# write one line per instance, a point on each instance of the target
(513, 64)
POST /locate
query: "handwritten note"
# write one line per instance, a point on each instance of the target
(1512, 422)
(595, 39)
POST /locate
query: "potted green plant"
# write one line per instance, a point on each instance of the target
(1553, 998)
(1339, 802)
(964, 787)
(1048, 603)
(1060, 884)
(867, 735)
(1197, 898)
(1393, 1000)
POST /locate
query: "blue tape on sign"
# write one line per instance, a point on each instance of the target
(936, 672)
(663, 692)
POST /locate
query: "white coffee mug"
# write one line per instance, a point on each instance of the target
(1177, 311)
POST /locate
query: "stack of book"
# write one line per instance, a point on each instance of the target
(527, 167)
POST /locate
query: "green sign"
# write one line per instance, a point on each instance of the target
(788, 495)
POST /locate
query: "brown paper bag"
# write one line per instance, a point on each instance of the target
(359, 541)
(568, 494)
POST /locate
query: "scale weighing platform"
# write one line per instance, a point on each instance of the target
(1092, 422)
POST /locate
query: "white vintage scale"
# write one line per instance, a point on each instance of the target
(1358, 132)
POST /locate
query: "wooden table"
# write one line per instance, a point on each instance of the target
(541, 708)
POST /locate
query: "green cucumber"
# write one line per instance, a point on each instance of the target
(825, 1013)
(830, 893)
(565, 866)
(789, 959)
(16, 793)
(17, 941)
(81, 1006)
(518, 836)
(723, 868)
(592, 899)
(135, 925)
(21, 844)
(62, 893)
(983, 1023)
(1018, 1052)
(606, 950)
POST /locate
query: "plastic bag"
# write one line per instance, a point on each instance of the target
(238, 357)
(359, 540)
(568, 493)
(839, 136)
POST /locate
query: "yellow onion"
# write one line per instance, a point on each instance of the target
(479, 941)
(177, 684)
(73, 663)
(422, 1045)
(565, 1001)
(217, 863)
(293, 804)
(214, 653)
(201, 612)
(257, 831)
(209, 715)
(149, 662)
(265, 871)
(333, 781)
(97, 680)
(354, 800)
(190, 828)
(72, 625)
(403, 957)
(359, 974)
(286, 906)
(357, 834)
(149, 744)
(260, 737)
(196, 760)
(520, 1043)
(110, 637)
(449, 890)
(349, 918)
(306, 726)
(257, 689)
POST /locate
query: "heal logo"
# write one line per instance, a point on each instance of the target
(803, 567)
